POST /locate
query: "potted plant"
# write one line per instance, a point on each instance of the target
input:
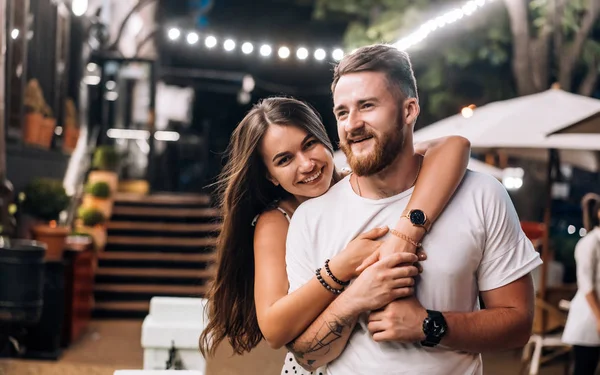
(91, 221)
(34, 112)
(71, 127)
(44, 200)
(97, 195)
(47, 129)
(105, 165)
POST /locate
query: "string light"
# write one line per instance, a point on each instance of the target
(210, 41)
(247, 48)
(265, 50)
(432, 25)
(302, 53)
(337, 54)
(229, 45)
(320, 54)
(284, 52)
(192, 38)
(174, 33)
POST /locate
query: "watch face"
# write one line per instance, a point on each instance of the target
(434, 328)
(417, 217)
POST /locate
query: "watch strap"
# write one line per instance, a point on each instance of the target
(430, 339)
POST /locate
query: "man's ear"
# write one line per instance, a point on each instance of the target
(411, 110)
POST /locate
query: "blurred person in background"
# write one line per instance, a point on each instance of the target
(583, 323)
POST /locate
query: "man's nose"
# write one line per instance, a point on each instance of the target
(354, 122)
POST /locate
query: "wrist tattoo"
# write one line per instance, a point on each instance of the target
(321, 342)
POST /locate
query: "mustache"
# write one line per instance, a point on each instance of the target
(351, 137)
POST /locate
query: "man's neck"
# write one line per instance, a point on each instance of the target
(397, 177)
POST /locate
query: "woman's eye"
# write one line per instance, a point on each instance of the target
(367, 105)
(310, 143)
(283, 160)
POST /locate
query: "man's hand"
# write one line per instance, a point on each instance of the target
(399, 321)
(382, 283)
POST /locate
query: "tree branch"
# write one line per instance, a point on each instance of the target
(589, 82)
(519, 26)
(568, 60)
(540, 59)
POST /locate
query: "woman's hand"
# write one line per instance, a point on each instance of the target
(388, 247)
(365, 246)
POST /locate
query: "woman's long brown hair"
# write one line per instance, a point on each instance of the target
(245, 192)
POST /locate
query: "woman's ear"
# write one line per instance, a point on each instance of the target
(272, 179)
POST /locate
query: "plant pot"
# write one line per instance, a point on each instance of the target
(104, 205)
(134, 186)
(111, 178)
(46, 132)
(70, 138)
(98, 234)
(55, 239)
(31, 128)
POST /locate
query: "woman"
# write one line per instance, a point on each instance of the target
(280, 156)
(583, 324)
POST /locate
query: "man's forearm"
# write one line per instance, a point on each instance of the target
(490, 329)
(325, 339)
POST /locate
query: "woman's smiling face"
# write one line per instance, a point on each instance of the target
(297, 161)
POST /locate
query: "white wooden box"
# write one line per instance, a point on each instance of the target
(174, 322)
(157, 372)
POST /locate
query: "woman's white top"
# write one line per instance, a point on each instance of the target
(581, 328)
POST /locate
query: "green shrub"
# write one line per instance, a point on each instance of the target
(99, 189)
(91, 217)
(45, 199)
(106, 158)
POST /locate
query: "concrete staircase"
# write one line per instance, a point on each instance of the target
(158, 245)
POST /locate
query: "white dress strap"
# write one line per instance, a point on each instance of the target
(284, 213)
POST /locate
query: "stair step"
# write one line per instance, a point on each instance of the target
(156, 256)
(163, 227)
(156, 272)
(156, 289)
(162, 198)
(161, 241)
(123, 305)
(165, 212)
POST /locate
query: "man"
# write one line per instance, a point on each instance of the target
(476, 246)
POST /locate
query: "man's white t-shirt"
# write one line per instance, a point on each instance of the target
(476, 245)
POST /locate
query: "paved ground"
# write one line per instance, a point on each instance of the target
(111, 345)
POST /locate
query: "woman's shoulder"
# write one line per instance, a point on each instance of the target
(272, 214)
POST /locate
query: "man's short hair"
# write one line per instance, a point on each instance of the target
(395, 64)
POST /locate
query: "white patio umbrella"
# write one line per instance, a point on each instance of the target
(590, 125)
(523, 127)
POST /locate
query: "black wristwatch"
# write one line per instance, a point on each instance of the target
(434, 328)
(417, 218)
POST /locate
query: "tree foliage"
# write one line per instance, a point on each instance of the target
(506, 48)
